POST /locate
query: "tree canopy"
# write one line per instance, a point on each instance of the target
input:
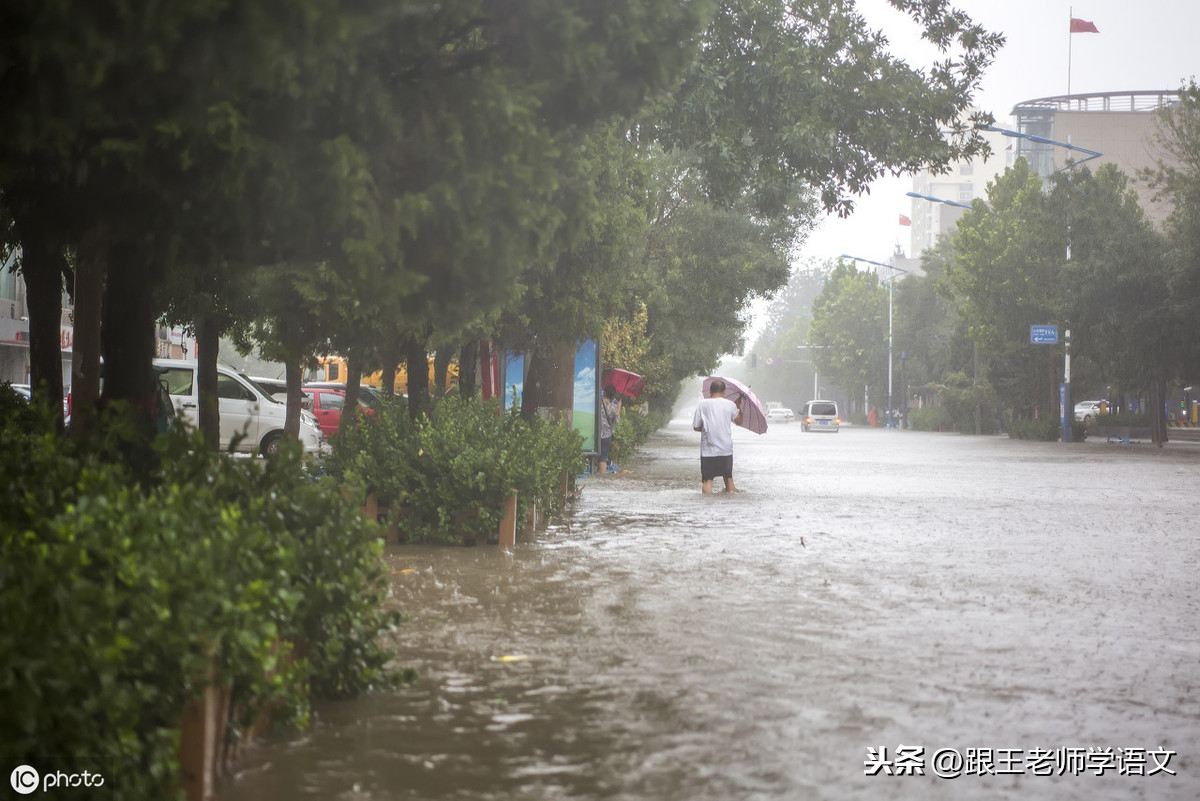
(382, 171)
(850, 332)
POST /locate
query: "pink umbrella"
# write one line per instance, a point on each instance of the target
(624, 382)
(754, 416)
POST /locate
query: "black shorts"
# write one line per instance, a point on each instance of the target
(713, 466)
(605, 448)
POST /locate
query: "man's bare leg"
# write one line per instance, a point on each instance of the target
(729, 485)
(706, 486)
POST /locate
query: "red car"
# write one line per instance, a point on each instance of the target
(327, 404)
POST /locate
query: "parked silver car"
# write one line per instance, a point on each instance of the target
(1088, 411)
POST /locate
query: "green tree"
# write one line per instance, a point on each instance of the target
(1077, 252)
(1125, 321)
(789, 107)
(790, 98)
(628, 345)
(926, 323)
(785, 340)
(704, 263)
(1176, 178)
(849, 330)
(1008, 273)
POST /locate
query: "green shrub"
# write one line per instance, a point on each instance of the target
(1045, 429)
(633, 430)
(375, 456)
(959, 393)
(1122, 419)
(119, 595)
(930, 418)
(538, 452)
(19, 414)
(451, 471)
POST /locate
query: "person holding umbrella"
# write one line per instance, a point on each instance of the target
(610, 414)
(714, 419)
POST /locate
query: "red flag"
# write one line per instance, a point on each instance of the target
(904, 220)
(1083, 26)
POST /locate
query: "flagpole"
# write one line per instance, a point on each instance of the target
(1070, 36)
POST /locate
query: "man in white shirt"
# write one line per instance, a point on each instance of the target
(714, 419)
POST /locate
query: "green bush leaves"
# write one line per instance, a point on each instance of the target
(451, 472)
(120, 598)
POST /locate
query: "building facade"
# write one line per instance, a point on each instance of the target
(170, 342)
(1123, 127)
(965, 181)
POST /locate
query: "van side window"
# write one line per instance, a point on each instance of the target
(332, 400)
(230, 389)
(178, 380)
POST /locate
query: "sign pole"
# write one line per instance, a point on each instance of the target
(1065, 390)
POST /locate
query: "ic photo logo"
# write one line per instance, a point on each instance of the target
(24, 779)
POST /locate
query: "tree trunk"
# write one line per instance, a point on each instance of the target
(388, 378)
(467, 356)
(127, 334)
(293, 378)
(353, 379)
(208, 345)
(90, 267)
(441, 369)
(1158, 411)
(416, 360)
(42, 264)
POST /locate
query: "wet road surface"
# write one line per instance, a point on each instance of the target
(868, 589)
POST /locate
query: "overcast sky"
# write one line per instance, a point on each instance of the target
(1142, 45)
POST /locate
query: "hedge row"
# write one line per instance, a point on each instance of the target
(119, 591)
(450, 472)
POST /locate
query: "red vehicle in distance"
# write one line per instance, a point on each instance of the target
(327, 404)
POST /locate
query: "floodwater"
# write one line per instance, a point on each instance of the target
(1029, 607)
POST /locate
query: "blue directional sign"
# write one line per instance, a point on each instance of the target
(1043, 334)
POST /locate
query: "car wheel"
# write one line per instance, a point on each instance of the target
(270, 443)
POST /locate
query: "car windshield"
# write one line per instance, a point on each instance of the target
(823, 409)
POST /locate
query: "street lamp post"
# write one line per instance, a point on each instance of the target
(939, 200)
(1041, 140)
(890, 289)
(813, 363)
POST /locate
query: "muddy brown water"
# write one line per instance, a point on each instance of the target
(1022, 604)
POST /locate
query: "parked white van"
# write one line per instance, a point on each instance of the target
(245, 408)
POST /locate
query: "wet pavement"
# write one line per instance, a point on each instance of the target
(1025, 613)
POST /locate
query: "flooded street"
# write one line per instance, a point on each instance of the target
(1032, 606)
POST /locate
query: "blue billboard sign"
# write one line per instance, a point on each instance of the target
(1043, 334)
